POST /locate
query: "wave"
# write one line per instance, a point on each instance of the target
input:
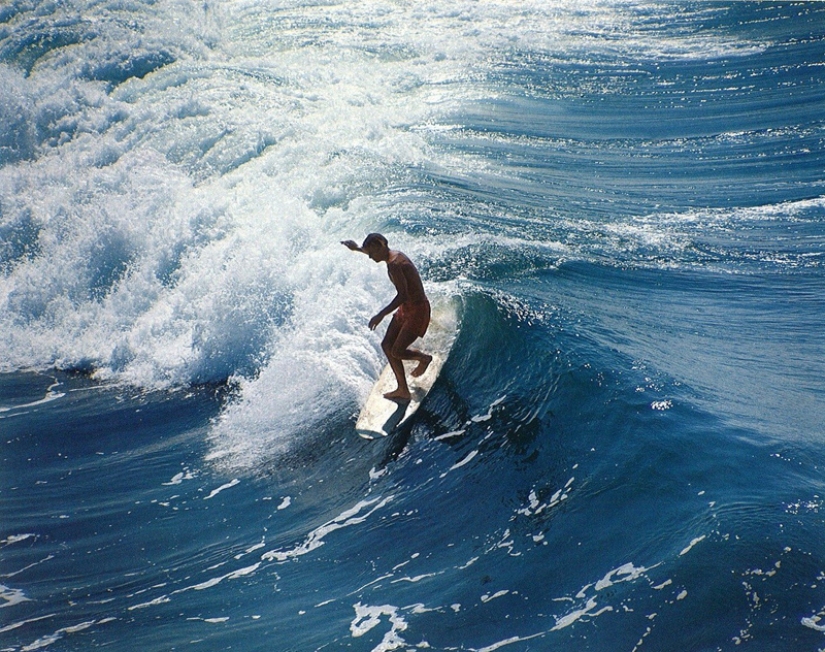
(174, 182)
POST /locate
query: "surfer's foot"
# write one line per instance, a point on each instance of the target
(422, 366)
(398, 395)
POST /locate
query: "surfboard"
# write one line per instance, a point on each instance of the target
(380, 416)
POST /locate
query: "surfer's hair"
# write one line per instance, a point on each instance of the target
(374, 237)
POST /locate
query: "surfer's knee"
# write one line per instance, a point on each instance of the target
(402, 351)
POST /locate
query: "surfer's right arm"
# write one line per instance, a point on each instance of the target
(350, 244)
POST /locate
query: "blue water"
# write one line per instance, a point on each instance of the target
(624, 451)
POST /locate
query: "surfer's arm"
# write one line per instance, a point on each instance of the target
(399, 280)
(391, 307)
(349, 244)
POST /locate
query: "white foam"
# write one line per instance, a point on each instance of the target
(164, 599)
(813, 622)
(23, 623)
(415, 579)
(11, 596)
(625, 573)
(315, 539)
(183, 223)
(178, 478)
(368, 617)
(47, 640)
(628, 572)
(208, 584)
(509, 641)
(489, 414)
(25, 568)
(589, 609)
(465, 460)
(535, 506)
(450, 435)
(15, 538)
(692, 544)
(223, 487)
(201, 586)
(498, 594)
(51, 396)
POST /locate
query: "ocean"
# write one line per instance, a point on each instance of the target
(625, 201)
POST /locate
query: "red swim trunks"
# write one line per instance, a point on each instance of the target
(414, 317)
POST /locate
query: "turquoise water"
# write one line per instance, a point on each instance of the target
(624, 449)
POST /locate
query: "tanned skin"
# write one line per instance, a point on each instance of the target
(409, 291)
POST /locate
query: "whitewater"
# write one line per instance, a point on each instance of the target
(625, 202)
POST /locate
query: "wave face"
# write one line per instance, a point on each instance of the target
(624, 449)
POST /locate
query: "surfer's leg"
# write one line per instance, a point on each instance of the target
(401, 350)
(423, 363)
(388, 344)
(414, 325)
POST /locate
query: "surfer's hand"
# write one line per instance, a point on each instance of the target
(349, 244)
(375, 321)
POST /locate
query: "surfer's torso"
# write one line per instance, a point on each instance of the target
(414, 311)
(405, 278)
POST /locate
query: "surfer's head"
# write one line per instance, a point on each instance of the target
(376, 247)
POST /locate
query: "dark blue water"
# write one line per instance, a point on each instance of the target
(624, 449)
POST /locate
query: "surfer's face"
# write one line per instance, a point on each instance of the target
(377, 252)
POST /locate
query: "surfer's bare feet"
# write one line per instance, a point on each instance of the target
(398, 395)
(422, 366)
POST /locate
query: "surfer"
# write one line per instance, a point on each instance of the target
(411, 307)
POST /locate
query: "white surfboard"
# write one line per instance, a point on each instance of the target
(380, 416)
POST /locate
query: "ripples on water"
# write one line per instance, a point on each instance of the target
(623, 450)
